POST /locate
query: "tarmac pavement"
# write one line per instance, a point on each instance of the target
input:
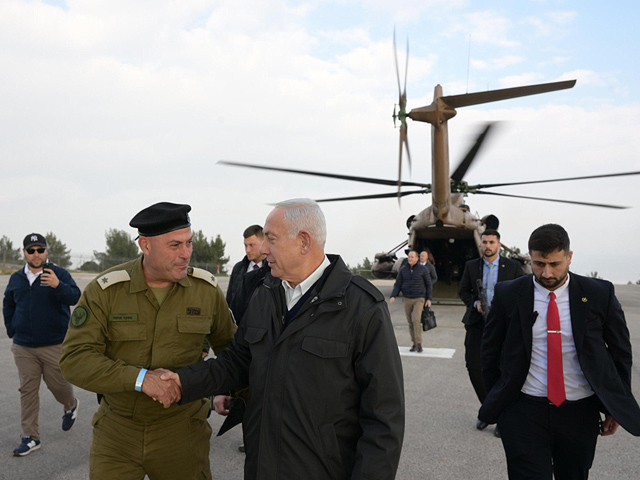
(441, 441)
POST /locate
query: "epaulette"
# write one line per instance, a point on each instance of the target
(368, 287)
(203, 275)
(111, 278)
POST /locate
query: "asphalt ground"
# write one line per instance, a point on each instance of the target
(441, 441)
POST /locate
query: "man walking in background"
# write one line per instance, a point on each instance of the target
(414, 281)
(36, 315)
(476, 291)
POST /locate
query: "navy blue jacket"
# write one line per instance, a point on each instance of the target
(38, 315)
(413, 282)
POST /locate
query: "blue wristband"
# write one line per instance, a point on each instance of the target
(140, 379)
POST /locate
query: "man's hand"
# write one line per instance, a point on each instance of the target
(48, 277)
(479, 306)
(608, 426)
(222, 403)
(163, 391)
(427, 304)
(391, 300)
(169, 376)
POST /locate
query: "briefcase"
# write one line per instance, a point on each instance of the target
(428, 319)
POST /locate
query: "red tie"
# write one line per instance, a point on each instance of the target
(555, 374)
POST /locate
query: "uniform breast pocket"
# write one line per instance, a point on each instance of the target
(200, 324)
(127, 331)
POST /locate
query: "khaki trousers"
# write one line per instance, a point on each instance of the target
(413, 310)
(33, 364)
(173, 448)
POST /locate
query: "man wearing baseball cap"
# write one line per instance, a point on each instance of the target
(133, 321)
(36, 315)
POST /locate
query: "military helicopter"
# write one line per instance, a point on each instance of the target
(447, 227)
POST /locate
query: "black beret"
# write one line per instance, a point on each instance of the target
(161, 218)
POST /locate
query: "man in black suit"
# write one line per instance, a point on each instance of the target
(481, 275)
(556, 353)
(253, 260)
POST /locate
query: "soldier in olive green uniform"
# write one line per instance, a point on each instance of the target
(151, 313)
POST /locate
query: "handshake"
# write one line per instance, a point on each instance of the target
(162, 386)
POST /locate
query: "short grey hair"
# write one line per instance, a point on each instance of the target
(304, 214)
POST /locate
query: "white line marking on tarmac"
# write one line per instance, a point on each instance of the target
(428, 352)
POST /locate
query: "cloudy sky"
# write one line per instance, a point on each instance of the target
(108, 106)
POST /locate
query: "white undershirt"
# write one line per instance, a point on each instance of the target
(30, 275)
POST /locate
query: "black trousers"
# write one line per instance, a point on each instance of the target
(541, 439)
(472, 358)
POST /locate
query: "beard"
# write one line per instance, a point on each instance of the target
(552, 282)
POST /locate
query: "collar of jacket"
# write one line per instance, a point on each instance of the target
(332, 284)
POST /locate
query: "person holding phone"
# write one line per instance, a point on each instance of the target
(36, 315)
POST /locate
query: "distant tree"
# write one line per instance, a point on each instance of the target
(58, 251)
(120, 248)
(90, 266)
(218, 249)
(202, 250)
(209, 254)
(594, 275)
(363, 269)
(512, 252)
(8, 254)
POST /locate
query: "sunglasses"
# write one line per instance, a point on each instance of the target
(31, 251)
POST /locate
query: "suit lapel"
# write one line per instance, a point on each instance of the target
(578, 302)
(525, 312)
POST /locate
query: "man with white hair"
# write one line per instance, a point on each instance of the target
(317, 348)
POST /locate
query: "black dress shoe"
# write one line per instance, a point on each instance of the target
(496, 432)
(480, 425)
(419, 349)
(412, 349)
(241, 448)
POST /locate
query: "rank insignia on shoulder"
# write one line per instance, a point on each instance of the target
(111, 278)
(79, 317)
(203, 275)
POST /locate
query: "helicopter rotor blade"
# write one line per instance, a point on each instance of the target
(395, 56)
(377, 181)
(481, 192)
(460, 172)
(375, 196)
(490, 185)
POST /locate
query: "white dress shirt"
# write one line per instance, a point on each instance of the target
(294, 294)
(575, 383)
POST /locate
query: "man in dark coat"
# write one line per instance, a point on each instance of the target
(556, 353)
(36, 310)
(414, 281)
(478, 281)
(253, 237)
(318, 350)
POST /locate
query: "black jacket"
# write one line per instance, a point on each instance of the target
(327, 396)
(468, 289)
(235, 280)
(413, 282)
(601, 338)
(244, 291)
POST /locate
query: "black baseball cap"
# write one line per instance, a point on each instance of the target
(34, 240)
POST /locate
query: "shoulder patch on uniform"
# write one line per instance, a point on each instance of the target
(79, 317)
(111, 278)
(368, 287)
(202, 274)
